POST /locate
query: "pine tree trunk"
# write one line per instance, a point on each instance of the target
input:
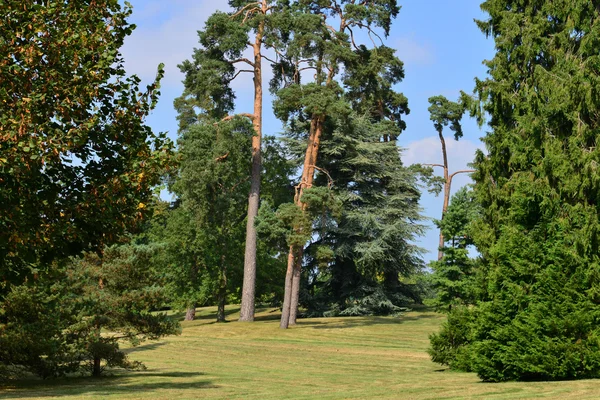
(287, 294)
(295, 290)
(447, 183)
(290, 308)
(249, 284)
(190, 313)
(222, 296)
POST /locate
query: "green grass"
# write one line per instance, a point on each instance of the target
(322, 358)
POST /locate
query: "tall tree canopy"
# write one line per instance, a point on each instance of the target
(77, 162)
(250, 26)
(539, 188)
(323, 42)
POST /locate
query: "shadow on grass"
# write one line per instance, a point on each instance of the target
(350, 322)
(105, 386)
(203, 317)
(144, 347)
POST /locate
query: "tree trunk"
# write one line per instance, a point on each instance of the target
(190, 313)
(97, 370)
(447, 183)
(295, 255)
(295, 291)
(287, 294)
(222, 292)
(249, 284)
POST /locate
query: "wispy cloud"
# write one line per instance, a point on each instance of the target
(412, 51)
(166, 35)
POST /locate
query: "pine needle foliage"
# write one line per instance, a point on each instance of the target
(372, 239)
(538, 316)
(453, 276)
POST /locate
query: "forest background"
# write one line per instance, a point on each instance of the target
(440, 45)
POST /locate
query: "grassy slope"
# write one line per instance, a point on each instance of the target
(334, 358)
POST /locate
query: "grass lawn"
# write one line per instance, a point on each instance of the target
(322, 358)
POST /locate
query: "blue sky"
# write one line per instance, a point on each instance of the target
(437, 39)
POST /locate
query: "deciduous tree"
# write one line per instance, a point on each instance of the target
(77, 162)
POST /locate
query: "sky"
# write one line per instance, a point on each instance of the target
(437, 40)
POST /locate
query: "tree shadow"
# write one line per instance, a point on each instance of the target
(105, 385)
(144, 347)
(351, 322)
(180, 316)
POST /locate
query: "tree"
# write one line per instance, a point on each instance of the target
(539, 191)
(208, 76)
(318, 46)
(453, 276)
(74, 316)
(212, 180)
(370, 240)
(444, 112)
(77, 163)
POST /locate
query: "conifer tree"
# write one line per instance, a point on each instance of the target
(371, 238)
(539, 189)
(212, 179)
(453, 275)
(317, 45)
(254, 26)
(443, 113)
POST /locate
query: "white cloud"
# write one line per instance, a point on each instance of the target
(169, 39)
(411, 51)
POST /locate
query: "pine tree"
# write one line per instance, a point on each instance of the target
(254, 26)
(316, 45)
(443, 113)
(539, 189)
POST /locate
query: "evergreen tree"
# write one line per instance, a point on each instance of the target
(251, 25)
(539, 190)
(214, 174)
(453, 275)
(317, 45)
(74, 316)
(371, 241)
(443, 113)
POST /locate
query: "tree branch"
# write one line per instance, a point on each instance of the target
(463, 171)
(433, 165)
(329, 178)
(244, 8)
(268, 59)
(242, 60)
(221, 158)
(240, 71)
(230, 117)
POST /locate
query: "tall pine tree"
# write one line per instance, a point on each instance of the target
(251, 26)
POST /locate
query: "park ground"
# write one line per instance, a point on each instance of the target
(321, 358)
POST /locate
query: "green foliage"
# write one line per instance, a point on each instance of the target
(444, 112)
(371, 233)
(204, 233)
(449, 346)
(453, 276)
(537, 314)
(77, 162)
(73, 318)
